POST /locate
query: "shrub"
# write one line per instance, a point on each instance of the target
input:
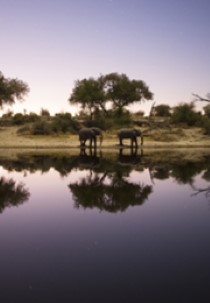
(162, 110)
(64, 123)
(18, 119)
(41, 128)
(206, 125)
(24, 130)
(185, 113)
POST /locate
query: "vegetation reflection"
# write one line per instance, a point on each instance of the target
(106, 184)
(12, 194)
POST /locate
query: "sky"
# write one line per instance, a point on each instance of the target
(49, 44)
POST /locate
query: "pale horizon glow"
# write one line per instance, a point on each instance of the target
(51, 44)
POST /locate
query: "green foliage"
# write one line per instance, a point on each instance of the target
(206, 125)
(32, 117)
(18, 119)
(207, 110)
(122, 91)
(121, 118)
(115, 90)
(41, 128)
(11, 90)
(45, 113)
(162, 110)
(64, 122)
(89, 94)
(186, 114)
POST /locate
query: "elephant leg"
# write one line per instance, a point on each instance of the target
(135, 141)
(142, 140)
(91, 142)
(95, 142)
(82, 143)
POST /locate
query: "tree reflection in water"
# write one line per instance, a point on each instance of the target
(107, 184)
(12, 194)
(109, 190)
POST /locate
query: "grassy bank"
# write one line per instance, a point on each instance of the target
(158, 138)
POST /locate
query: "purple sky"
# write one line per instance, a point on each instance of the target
(51, 43)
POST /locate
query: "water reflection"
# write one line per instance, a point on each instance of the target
(110, 192)
(130, 156)
(160, 167)
(12, 194)
(106, 184)
(157, 251)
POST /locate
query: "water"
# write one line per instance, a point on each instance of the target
(105, 227)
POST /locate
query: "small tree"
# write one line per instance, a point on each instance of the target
(11, 90)
(185, 113)
(89, 94)
(44, 113)
(162, 110)
(207, 110)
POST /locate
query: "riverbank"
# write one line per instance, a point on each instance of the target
(191, 137)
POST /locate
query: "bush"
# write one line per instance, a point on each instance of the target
(18, 119)
(186, 114)
(206, 125)
(64, 123)
(41, 128)
(24, 130)
(162, 110)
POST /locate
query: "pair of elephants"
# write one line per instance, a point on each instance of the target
(91, 134)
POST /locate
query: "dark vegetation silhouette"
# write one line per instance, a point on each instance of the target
(106, 185)
(11, 90)
(11, 193)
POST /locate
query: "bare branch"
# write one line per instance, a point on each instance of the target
(199, 98)
(201, 190)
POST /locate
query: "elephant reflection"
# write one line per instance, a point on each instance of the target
(91, 134)
(11, 194)
(109, 192)
(131, 134)
(131, 158)
(89, 160)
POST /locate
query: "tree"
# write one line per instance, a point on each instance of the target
(11, 90)
(94, 94)
(185, 113)
(122, 91)
(89, 94)
(207, 110)
(162, 110)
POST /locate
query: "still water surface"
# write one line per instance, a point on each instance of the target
(105, 228)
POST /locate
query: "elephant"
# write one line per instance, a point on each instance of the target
(90, 133)
(131, 134)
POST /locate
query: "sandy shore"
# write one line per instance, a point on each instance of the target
(10, 139)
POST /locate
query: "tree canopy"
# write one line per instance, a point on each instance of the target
(162, 110)
(122, 91)
(89, 94)
(117, 89)
(11, 90)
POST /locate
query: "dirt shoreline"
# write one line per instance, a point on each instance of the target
(10, 140)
